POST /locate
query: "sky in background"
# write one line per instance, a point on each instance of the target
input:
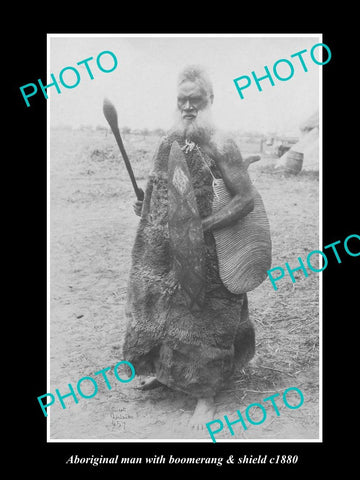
(143, 86)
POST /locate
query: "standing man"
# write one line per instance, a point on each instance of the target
(194, 350)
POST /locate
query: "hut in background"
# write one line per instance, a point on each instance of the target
(307, 148)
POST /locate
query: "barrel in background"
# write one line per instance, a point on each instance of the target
(294, 162)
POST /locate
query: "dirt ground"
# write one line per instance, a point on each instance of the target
(92, 228)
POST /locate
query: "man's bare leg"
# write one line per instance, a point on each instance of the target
(204, 413)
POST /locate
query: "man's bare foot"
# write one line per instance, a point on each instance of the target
(149, 383)
(204, 413)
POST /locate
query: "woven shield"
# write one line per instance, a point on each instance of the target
(185, 231)
(244, 248)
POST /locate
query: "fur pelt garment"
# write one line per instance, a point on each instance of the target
(195, 352)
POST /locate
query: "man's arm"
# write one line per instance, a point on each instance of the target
(233, 171)
(137, 206)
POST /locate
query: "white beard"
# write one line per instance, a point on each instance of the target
(198, 130)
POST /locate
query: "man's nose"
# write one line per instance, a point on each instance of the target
(187, 105)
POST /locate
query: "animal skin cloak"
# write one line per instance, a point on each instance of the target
(195, 352)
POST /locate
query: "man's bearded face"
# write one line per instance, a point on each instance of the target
(194, 115)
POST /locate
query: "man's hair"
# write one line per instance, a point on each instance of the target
(196, 73)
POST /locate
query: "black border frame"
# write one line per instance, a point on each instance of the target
(339, 221)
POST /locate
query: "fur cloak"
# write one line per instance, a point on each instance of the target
(195, 352)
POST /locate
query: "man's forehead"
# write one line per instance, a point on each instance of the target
(189, 87)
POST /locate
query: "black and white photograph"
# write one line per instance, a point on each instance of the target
(170, 198)
(187, 248)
